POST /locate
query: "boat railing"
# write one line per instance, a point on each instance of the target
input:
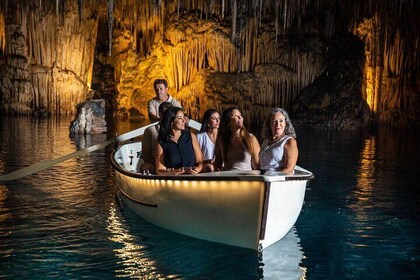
(127, 160)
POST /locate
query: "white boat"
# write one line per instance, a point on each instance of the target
(245, 209)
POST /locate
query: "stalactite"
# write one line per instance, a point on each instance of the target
(2, 34)
(285, 21)
(178, 7)
(110, 24)
(390, 57)
(224, 58)
(391, 51)
(223, 9)
(80, 9)
(46, 51)
(234, 14)
(276, 22)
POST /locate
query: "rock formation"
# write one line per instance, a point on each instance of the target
(215, 53)
(90, 118)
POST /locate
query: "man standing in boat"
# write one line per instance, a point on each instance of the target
(161, 90)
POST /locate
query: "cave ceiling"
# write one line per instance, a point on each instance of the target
(329, 63)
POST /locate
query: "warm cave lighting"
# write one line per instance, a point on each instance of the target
(3, 196)
(130, 252)
(366, 177)
(370, 96)
(2, 34)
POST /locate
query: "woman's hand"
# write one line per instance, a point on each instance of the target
(175, 171)
(190, 170)
(182, 170)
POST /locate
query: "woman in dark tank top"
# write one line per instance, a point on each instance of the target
(177, 151)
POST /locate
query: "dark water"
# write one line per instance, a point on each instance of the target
(360, 219)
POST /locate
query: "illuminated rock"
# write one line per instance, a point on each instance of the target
(90, 118)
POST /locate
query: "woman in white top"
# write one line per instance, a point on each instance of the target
(279, 151)
(207, 137)
(236, 148)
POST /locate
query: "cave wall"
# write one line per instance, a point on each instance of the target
(391, 82)
(48, 56)
(254, 54)
(206, 70)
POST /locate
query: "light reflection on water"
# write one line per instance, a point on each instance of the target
(362, 214)
(134, 263)
(67, 222)
(148, 252)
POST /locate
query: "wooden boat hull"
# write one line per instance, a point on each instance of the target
(243, 209)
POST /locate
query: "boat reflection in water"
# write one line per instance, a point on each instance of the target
(148, 252)
(282, 259)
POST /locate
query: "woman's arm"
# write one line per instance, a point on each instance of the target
(256, 152)
(198, 155)
(291, 153)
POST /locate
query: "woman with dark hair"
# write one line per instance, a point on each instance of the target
(279, 151)
(207, 137)
(149, 142)
(177, 151)
(236, 148)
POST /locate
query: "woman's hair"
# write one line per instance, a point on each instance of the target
(289, 130)
(164, 106)
(206, 119)
(225, 133)
(166, 122)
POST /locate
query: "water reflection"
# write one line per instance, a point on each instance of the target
(360, 199)
(130, 252)
(4, 210)
(366, 176)
(86, 140)
(283, 259)
(26, 141)
(53, 225)
(148, 252)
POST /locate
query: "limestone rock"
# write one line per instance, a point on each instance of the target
(90, 118)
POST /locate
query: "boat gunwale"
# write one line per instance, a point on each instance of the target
(254, 175)
(148, 204)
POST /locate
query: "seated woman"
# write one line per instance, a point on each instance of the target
(236, 148)
(207, 137)
(279, 151)
(177, 151)
(149, 143)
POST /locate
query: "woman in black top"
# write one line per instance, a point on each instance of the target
(177, 151)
